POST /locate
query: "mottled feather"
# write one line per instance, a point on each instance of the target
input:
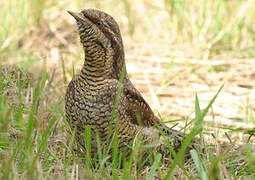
(91, 94)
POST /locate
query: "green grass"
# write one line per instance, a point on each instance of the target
(212, 29)
(35, 139)
(32, 144)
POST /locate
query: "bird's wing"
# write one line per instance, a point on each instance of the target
(141, 113)
(138, 108)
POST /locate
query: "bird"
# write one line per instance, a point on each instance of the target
(101, 96)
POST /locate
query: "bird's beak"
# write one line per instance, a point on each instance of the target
(77, 16)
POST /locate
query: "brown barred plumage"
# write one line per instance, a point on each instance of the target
(91, 94)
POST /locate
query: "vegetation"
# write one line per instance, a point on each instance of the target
(38, 37)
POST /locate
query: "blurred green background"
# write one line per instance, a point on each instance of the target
(202, 29)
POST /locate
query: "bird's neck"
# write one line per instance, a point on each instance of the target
(101, 65)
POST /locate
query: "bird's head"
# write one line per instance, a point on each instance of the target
(100, 36)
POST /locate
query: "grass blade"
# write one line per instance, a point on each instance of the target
(199, 165)
(198, 127)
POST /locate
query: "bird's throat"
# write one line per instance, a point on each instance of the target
(97, 64)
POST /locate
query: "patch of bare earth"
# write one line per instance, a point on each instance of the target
(170, 85)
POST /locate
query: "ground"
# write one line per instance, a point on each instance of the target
(174, 97)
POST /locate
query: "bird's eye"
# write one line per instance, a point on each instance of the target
(99, 23)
